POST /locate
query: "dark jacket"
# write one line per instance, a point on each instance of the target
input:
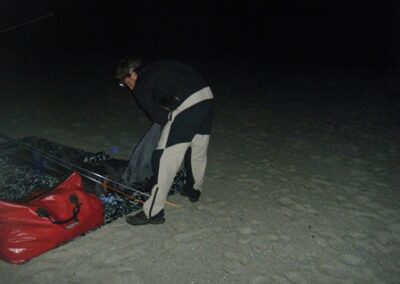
(162, 86)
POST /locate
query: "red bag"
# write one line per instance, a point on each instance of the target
(28, 229)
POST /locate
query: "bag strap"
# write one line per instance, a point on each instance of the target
(42, 212)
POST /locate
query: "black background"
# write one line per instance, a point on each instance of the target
(301, 32)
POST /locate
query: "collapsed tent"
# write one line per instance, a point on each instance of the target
(139, 170)
(32, 167)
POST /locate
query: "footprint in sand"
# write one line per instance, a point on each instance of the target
(170, 244)
(394, 227)
(386, 243)
(254, 196)
(126, 277)
(305, 208)
(286, 201)
(360, 174)
(380, 184)
(322, 242)
(352, 259)
(200, 207)
(245, 235)
(40, 276)
(221, 203)
(217, 212)
(279, 279)
(187, 237)
(244, 230)
(295, 277)
(235, 262)
(271, 237)
(384, 248)
(259, 279)
(245, 240)
(259, 245)
(233, 268)
(356, 235)
(238, 257)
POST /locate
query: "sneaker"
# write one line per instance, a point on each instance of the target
(191, 193)
(141, 219)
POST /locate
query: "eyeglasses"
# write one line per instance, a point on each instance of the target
(121, 84)
(136, 70)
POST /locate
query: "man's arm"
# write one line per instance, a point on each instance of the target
(153, 107)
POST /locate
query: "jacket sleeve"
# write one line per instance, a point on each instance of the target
(152, 106)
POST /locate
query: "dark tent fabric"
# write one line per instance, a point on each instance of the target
(23, 173)
(139, 170)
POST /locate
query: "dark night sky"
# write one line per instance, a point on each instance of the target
(321, 32)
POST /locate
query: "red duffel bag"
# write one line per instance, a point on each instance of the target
(31, 228)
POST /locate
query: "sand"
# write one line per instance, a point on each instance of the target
(302, 181)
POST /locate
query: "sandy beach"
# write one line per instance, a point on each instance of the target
(302, 182)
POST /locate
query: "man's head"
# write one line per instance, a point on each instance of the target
(126, 72)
